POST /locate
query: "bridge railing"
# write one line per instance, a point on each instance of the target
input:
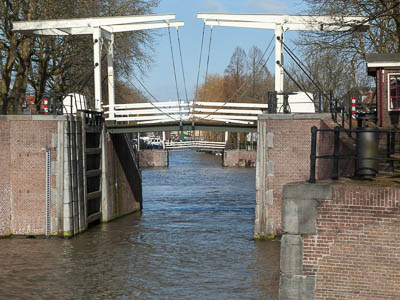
(228, 112)
(147, 113)
(195, 145)
(175, 111)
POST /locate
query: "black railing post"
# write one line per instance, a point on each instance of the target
(313, 155)
(320, 102)
(335, 171)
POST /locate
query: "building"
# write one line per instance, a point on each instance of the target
(386, 69)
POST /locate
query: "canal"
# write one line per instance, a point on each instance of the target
(193, 240)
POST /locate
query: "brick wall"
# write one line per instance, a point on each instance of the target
(23, 146)
(5, 179)
(287, 159)
(287, 150)
(355, 253)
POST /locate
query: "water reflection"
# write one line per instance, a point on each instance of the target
(193, 240)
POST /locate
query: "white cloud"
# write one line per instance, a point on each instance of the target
(213, 6)
(268, 6)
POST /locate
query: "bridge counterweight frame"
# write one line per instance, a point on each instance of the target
(102, 30)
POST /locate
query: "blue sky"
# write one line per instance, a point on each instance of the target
(160, 79)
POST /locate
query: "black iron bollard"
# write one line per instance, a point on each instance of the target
(367, 153)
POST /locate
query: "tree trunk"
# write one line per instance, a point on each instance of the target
(21, 79)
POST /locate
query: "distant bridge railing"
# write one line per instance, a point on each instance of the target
(195, 145)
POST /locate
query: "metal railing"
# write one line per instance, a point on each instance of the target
(195, 145)
(372, 151)
(55, 104)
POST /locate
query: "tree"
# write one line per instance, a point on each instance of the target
(212, 89)
(383, 35)
(236, 72)
(260, 78)
(346, 51)
(55, 64)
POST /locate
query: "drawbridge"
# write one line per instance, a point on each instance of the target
(182, 114)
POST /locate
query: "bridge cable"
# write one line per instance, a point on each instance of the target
(208, 57)
(148, 91)
(244, 83)
(183, 70)
(198, 72)
(176, 81)
(151, 95)
(294, 80)
(303, 68)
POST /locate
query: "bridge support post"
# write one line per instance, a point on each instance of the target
(97, 67)
(111, 79)
(279, 87)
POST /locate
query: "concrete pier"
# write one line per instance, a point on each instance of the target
(153, 158)
(240, 158)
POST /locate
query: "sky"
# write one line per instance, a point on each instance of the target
(160, 78)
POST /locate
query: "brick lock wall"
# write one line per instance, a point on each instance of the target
(355, 253)
(289, 159)
(23, 164)
(5, 179)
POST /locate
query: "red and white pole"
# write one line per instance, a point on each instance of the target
(46, 106)
(353, 106)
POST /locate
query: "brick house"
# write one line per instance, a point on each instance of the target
(386, 69)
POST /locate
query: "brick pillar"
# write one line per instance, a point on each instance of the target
(299, 214)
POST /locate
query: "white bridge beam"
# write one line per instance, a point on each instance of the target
(282, 23)
(102, 30)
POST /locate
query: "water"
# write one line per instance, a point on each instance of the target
(193, 240)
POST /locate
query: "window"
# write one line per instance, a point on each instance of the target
(394, 91)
